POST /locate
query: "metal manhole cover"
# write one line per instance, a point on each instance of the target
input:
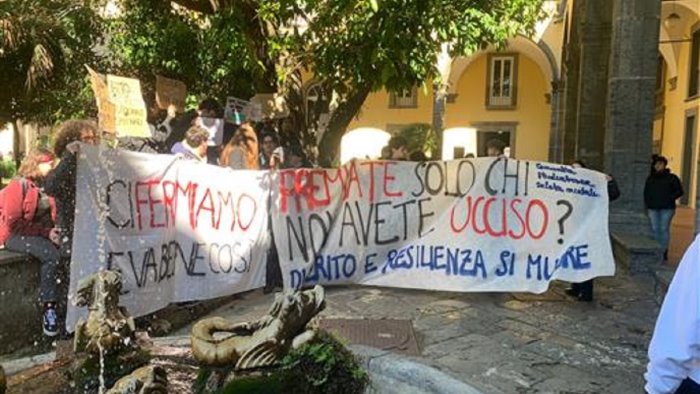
(394, 335)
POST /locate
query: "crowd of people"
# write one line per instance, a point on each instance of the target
(39, 204)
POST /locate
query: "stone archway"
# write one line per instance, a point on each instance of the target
(540, 53)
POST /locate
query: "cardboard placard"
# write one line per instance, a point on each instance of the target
(170, 92)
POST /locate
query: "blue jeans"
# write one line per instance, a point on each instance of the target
(661, 225)
(47, 253)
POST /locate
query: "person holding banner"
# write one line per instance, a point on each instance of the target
(674, 350)
(60, 184)
(241, 152)
(27, 226)
(270, 142)
(399, 148)
(584, 291)
(194, 146)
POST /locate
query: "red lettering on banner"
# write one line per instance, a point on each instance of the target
(209, 207)
(371, 178)
(502, 210)
(352, 177)
(487, 222)
(253, 211)
(545, 221)
(387, 179)
(516, 211)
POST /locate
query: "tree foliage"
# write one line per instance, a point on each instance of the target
(150, 37)
(43, 46)
(358, 46)
(242, 47)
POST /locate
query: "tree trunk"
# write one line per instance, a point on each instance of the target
(16, 142)
(439, 102)
(340, 119)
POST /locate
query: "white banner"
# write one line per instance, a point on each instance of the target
(177, 230)
(465, 225)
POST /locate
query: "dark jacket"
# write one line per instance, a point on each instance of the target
(661, 190)
(613, 190)
(20, 211)
(60, 184)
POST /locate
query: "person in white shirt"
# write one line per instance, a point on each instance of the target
(674, 351)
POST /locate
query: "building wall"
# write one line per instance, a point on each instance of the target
(376, 112)
(532, 112)
(676, 106)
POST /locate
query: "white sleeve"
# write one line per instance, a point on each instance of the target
(676, 341)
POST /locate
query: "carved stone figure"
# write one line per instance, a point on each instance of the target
(108, 327)
(145, 380)
(263, 342)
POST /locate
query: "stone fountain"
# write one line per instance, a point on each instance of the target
(230, 348)
(109, 353)
(105, 344)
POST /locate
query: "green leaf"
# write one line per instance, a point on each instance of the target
(374, 5)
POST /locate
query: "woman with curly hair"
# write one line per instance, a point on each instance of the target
(27, 226)
(60, 183)
(241, 152)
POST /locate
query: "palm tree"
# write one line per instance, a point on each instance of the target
(41, 41)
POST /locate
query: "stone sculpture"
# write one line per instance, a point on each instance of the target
(109, 327)
(145, 380)
(263, 342)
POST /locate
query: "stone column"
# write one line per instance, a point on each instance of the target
(594, 51)
(555, 135)
(569, 81)
(630, 108)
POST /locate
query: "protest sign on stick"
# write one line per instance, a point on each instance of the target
(468, 225)
(122, 110)
(170, 92)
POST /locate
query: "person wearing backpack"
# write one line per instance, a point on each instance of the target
(27, 217)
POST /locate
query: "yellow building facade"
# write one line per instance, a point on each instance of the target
(508, 94)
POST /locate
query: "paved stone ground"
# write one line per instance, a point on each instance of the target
(511, 343)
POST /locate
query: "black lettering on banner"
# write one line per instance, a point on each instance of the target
(404, 205)
(378, 222)
(299, 237)
(347, 212)
(459, 192)
(420, 179)
(108, 200)
(423, 215)
(194, 256)
(433, 191)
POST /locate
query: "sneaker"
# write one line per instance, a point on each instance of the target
(50, 321)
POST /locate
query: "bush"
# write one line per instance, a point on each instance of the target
(7, 169)
(323, 366)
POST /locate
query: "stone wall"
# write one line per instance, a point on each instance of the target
(20, 310)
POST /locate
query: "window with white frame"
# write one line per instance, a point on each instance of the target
(405, 98)
(502, 81)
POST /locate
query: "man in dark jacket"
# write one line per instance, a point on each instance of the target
(661, 191)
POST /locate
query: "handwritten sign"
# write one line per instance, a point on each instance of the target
(173, 234)
(122, 110)
(170, 92)
(106, 107)
(469, 225)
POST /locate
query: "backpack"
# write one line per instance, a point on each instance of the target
(5, 231)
